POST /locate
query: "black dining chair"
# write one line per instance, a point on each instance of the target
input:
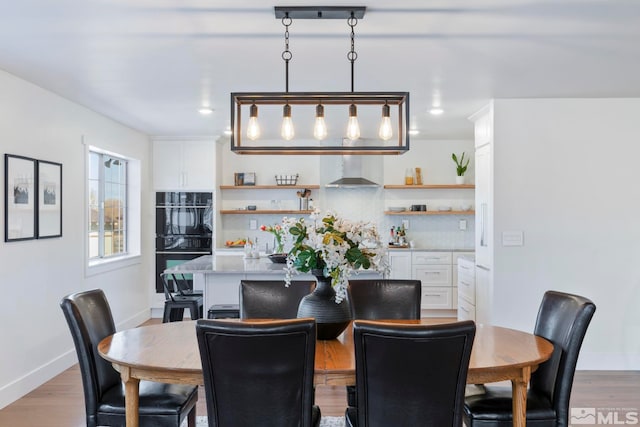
(176, 300)
(271, 299)
(376, 299)
(259, 374)
(161, 405)
(563, 320)
(410, 375)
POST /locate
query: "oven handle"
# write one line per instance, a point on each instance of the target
(182, 253)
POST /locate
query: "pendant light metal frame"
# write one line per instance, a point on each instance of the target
(392, 99)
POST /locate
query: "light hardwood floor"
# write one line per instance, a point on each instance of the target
(60, 402)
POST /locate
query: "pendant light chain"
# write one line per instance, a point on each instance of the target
(286, 54)
(352, 55)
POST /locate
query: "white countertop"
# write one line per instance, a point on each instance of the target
(229, 264)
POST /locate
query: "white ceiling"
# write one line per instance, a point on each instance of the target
(150, 64)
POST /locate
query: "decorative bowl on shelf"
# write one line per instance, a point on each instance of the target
(278, 258)
(397, 209)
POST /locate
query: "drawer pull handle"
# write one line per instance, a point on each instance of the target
(432, 295)
(463, 309)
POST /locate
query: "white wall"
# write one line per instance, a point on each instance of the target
(566, 174)
(36, 274)
(434, 157)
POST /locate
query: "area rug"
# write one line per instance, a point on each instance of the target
(324, 422)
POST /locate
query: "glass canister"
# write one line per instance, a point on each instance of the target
(408, 176)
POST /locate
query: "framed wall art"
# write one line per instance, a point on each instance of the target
(49, 200)
(19, 198)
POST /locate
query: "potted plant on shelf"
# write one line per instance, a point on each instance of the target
(332, 249)
(461, 167)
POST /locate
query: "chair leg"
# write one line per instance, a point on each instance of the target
(166, 316)
(177, 314)
(195, 311)
(191, 418)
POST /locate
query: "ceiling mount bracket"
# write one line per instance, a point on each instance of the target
(320, 12)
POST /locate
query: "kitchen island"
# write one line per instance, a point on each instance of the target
(219, 276)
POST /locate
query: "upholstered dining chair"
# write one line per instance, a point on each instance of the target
(410, 375)
(259, 374)
(562, 319)
(90, 320)
(372, 299)
(375, 299)
(271, 299)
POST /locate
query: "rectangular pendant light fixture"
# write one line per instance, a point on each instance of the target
(369, 104)
(370, 122)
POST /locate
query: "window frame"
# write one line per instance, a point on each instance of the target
(131, 254)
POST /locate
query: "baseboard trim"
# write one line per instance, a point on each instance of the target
(34, 379)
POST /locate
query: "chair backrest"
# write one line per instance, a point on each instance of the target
(258, 373)
(385, 299)
(271, 299)
(410, 375)
(90, 321)
(168, 286)
(562, 319)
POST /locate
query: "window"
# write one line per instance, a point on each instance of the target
(108, 206)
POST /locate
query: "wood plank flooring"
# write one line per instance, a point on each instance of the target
(60, 402)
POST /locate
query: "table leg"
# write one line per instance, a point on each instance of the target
(131, 397)
(519, 397)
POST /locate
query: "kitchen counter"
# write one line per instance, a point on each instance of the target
(228, 264)
(430, 249)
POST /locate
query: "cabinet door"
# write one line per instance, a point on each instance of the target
(400, 263)
(198, 162)
(167, 165)
(484, 208)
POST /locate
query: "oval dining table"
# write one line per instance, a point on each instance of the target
(169, 353)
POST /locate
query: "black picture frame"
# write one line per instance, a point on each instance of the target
(49, 215)
(20, 198)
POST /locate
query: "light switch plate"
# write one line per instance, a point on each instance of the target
(253, 224)
(405, 224)
(462, 225)
(512, 238)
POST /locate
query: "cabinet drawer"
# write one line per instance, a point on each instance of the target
(433, 275)
(466, 311)
(431, 258)
(456, 255)
(436, 298)
(467, 289)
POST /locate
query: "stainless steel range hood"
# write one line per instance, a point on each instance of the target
(352, 176)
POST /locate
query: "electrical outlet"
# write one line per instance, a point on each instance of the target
(253, 224)
(462, 225)
(405, 224)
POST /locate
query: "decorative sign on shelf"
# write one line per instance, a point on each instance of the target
(244, 178)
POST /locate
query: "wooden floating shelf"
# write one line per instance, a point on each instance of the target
(430, 213)
(269, 187)
(264, 212)
(429, 186)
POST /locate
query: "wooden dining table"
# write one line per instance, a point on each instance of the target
(169, 353)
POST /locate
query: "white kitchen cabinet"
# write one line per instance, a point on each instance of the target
(400, 264)
(484, 295)
(183, 165)
(466, 289)
(454, 271)
(484, 207)
(433, 269)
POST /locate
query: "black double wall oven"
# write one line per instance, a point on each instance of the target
(184, 224)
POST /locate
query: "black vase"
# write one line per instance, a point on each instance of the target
(331, 318)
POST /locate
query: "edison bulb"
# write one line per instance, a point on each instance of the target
(286, 131)
(386, 130)
(353, 128)
(320, 129)
(253, 128)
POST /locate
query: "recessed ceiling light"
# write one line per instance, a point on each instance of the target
(436, 111)
(205, 110)
(414, 132)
